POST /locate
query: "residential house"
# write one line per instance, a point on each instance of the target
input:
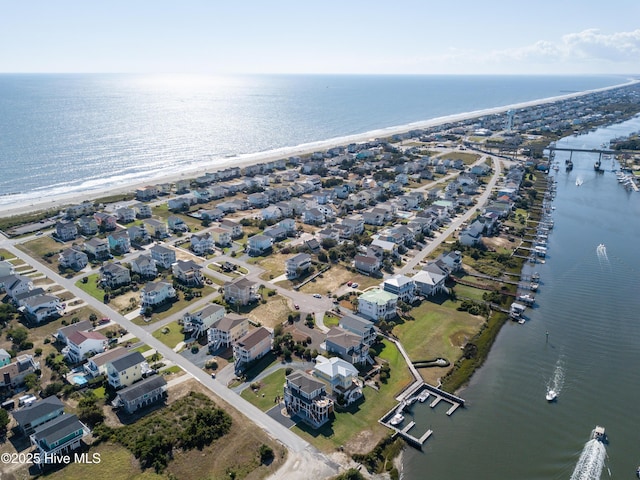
(144, 194)
(126, 214)
(5, 357)
(114, 275)
(38, 413)
(341, 377)
(297, 265)
(430, 280)
(313, 216)
(450, 261)
(138, 234)
(142, 210)
(126, 370)
(183, 185)
(347, 345)
(373, 218)
(176, 224)
(271, 213)
(181, 203)
(63, 333)
(252, 346)
(221, 236)
(402, 286)
(258, 200)
(306, 398)
(276, 232)
(469, 237)
(105, 221)
(359, 326)
(259, 244)
(188, 272)
(40, 307)
(82, 344)
(329, 233)
(156, 293)
(119, 242)
(141, 394)
(73, 258)
(12, 375)
(213, 214)
(145, 266)
(198, 322)
(97, 365)
(16, 284)
(75, 211)
(57, 437)
(6, 268)
(164, 256)
(156, 228)
(202, 244)
(234, 227)
(66, 230)
(228, 330)
(20, 299)
(241, 291)
(98, 248)
(377, 304)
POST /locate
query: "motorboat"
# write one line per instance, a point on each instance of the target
(599, 434)
(423, 396)
(551, 395)
(638, 471)
(397, 419)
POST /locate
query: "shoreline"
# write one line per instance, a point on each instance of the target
(57, 201)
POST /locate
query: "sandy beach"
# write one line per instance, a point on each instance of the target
(61, 200)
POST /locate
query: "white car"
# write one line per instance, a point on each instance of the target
(317, 295)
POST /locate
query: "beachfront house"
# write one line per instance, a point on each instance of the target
(38, 413)
(66, 230)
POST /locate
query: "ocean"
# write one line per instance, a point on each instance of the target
(62, 134)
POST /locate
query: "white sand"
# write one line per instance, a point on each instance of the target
(76, 198)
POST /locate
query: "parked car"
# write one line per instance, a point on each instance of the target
(297, 307)
(317, 295)
(354, 285)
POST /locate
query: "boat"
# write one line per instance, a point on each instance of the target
(397, 419)
(423, 396)
(412, 400)
(599, 434)
(638, 471)
(551, 395)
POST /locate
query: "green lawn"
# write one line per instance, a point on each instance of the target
(271, 386)
(331, 320)
(91, 287)
(173, 334)
(142, 349)
(464, 291)
(365, 414)
(437, 331)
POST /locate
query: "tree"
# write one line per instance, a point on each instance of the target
(266, 454)
(4, 420)
(31, 381)
(88, 411)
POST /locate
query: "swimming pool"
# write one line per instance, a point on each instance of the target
(79, 379)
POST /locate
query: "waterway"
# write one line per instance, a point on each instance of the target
(589, 303)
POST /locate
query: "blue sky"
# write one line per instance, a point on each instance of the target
(365, 37)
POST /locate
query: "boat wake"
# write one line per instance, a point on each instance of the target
(591, 461)
(556, 382)
(601, 252)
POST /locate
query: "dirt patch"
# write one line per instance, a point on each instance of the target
(329, 281)
(272, 313)
(363, 442)
(496, 243)
(122, 303)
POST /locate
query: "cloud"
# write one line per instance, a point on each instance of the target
(586, 46)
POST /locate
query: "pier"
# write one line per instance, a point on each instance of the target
(406, 402)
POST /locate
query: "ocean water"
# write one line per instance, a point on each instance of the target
(73, 133)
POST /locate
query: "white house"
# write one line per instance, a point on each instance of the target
(202, 244)
(156, 293)
(297, 265)
(377, 304)
(80, 344)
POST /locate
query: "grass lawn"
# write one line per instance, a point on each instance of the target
(466, 157)
(469, 292)
(40, 246)
(172, 369)
(173, 334)
(439, 330)
(270, 387)
(142, 349)
(274, 265)
(116, 463)
(365, 414)
(331, 320)
(91, 287)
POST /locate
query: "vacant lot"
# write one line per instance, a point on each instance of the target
(274, 265)
(439, 330)
(272, 313)
(171, 334)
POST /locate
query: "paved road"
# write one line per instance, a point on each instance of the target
(457, 222)
(308, 458)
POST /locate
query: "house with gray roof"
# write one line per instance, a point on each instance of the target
(58, 437)
(38, 413)
(306, 398)
(146, 392)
